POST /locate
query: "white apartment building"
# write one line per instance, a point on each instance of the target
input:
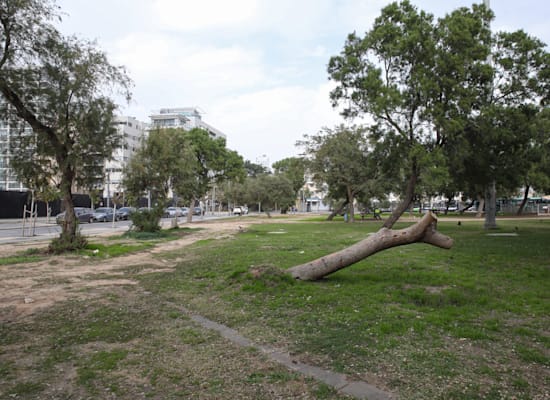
(183, 117)
(8, 178)
(133, 133)
(312, 196)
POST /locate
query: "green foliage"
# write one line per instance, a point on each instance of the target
(294, 169)
(341, 158)
(186, 162)
(215, 163)
(146, 220)
(68, 243)
(270, 191)
(59, 87)
(253, 169)
(431, 91)
(162, 162)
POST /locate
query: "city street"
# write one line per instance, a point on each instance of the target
(11, 230)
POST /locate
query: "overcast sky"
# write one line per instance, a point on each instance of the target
(255, 68)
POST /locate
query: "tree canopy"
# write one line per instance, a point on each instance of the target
(294, 169)
(428, 84)
(61, 87)
(183, 163)
(341, 158)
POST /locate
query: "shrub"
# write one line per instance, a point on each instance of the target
(146, 220)
(64, 244)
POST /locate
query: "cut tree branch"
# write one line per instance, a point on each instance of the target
(424, 231)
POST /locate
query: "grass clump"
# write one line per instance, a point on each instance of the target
(67, 244)
(19, 259)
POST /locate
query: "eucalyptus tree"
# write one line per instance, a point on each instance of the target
(270, 191)
(214, 164)
(341, 158)
(161, 166)
(61, 87)
(294, 168)
(253, 169)
(517, 94)
(418, 79)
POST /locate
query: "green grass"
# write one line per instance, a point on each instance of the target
(417, 310)
(471, 322)
(19, 259)
(114, 250)
(97, 364)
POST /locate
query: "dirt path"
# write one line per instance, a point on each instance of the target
(25, 288)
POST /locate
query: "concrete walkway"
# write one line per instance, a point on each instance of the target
(357, 389)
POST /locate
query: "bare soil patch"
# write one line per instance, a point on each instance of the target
(26, 288)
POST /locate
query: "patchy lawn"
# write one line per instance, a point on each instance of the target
(418, 321)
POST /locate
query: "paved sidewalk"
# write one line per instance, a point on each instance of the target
(358, 389)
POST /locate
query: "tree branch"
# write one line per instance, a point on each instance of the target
(423, 231)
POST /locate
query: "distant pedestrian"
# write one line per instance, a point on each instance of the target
(377, 213)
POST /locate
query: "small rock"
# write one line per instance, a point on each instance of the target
(28, 300)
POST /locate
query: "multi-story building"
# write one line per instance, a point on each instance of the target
(8, 131)
(312, 196)
(183, 117)
(133, 133)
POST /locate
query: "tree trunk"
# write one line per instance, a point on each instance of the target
(481, 206)
(491, 207)
(337, 211)
(423, 231)
(404, 205)
(524, 201)
(190, 212)
(68, 228)
(351, 208)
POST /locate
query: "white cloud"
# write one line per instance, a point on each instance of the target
(271, 121)
(187, 74)
(203, 14)
(257, 67)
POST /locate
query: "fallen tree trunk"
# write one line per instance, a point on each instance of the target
(423, 231)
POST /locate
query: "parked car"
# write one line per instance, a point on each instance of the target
(124, 213)
(83, 214)
(240, 210)
(184, 211)
(171, 212)
(103, 214)
(197, 211)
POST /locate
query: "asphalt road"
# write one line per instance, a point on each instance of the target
(11, 230)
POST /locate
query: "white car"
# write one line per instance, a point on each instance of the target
(240, 210)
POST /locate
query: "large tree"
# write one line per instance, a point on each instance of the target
(214, 164)
(161, 166)
(537, 174)
(294, 168)
(418, 79)
(518, 90)
(270, 192)
(183, 163)
(253, 169)
(60, 87)
(341, 158)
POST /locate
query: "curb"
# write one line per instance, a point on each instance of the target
(357, 389)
